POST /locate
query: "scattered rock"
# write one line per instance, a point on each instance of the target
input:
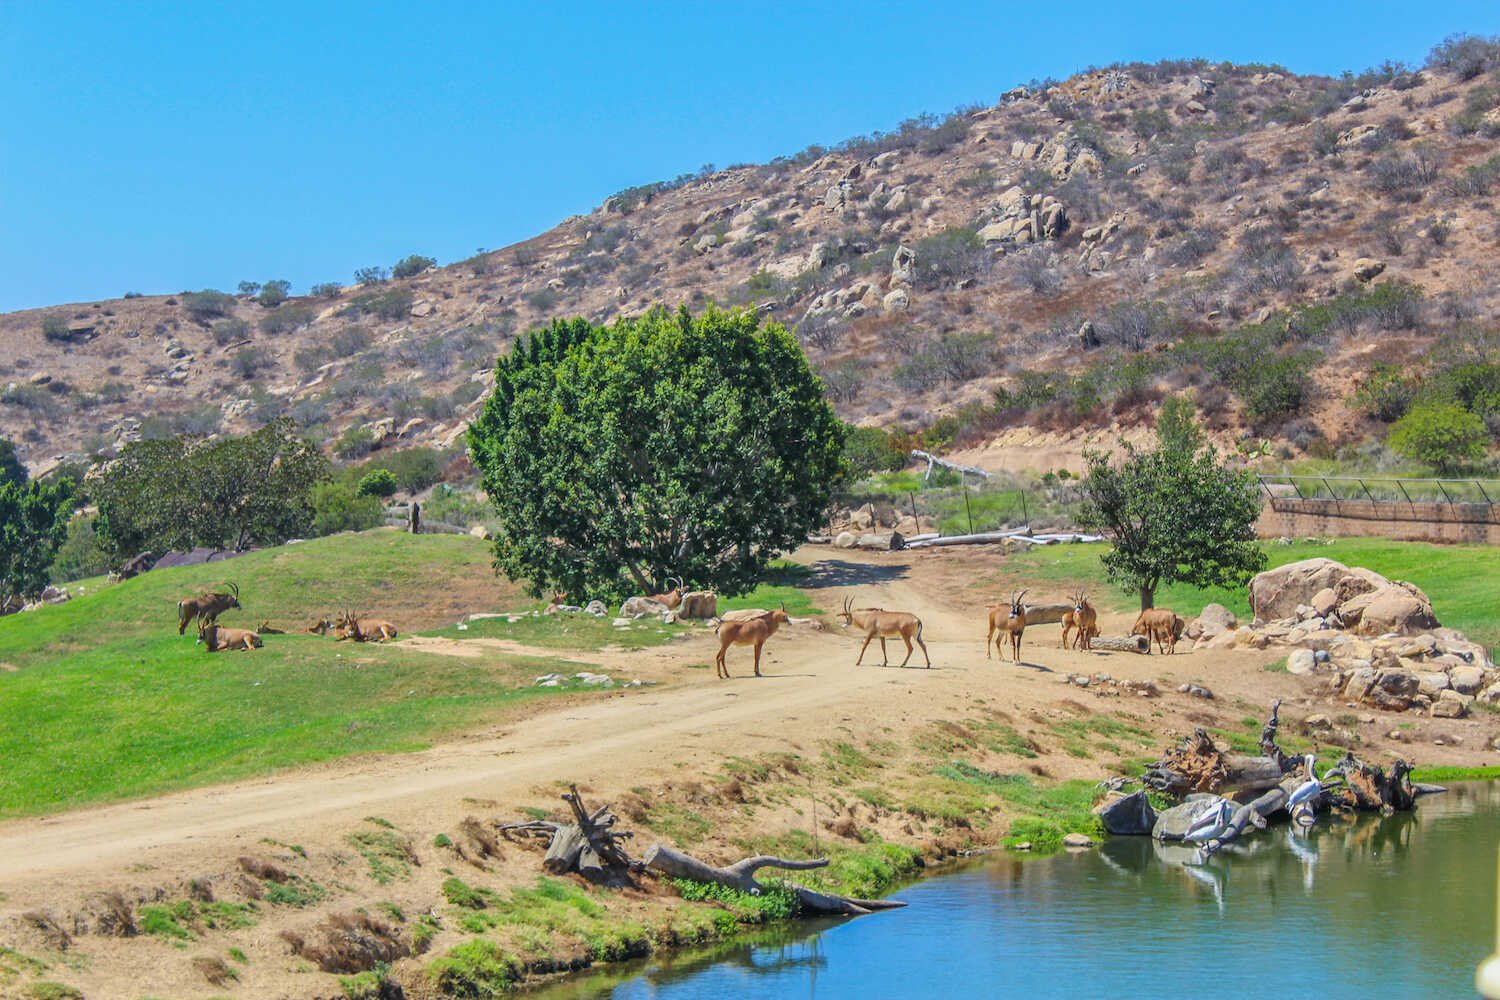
(1077, 840)
(1367, 268)
(1128, 815)
(636, 607)
(1301, 662)
(1318, 722)
(1450, 705)
(596, 608)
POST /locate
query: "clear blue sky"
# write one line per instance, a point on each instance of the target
(155, 147)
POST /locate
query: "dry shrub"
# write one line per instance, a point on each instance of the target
(214, 970)
(476, 843)
(201, 889)
(115, 917)
(348, 943)
(263, 869)
(733, 790)
(57, 939)
(844, 827)
(634, 808)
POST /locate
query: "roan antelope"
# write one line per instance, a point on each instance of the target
(747, 632)
(351, 626)
(671, 598)
(1161, 624)
(206, 607)
(877, 623)
(1082, 617)
(266, 628)
(220, 640)
(1007, 620)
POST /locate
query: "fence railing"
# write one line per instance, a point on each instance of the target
(1380, 490)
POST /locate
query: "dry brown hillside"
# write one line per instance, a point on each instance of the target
(1087, 246)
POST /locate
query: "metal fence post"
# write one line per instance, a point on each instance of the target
(967, 509)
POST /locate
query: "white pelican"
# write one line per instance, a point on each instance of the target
(1307, 790)
(1211, 823)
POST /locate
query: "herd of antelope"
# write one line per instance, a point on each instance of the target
(204, 609)
(1007, 624)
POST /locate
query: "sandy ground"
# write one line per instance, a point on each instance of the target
(687, 726)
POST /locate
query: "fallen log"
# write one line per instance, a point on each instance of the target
(979, 538)
(741, 876)
(881, 541)
(1046, 614)
(932, 460)
(1121, 643)
(589, 845)
(1195, 764)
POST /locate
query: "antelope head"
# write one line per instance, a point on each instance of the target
(1017, 609)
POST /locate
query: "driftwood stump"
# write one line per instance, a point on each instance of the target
(741, 876)
(589, 845)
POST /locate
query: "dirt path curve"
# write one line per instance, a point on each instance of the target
(680, 731)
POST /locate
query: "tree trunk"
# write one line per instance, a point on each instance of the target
(1121, 643)
(1148, 597)
(741, 876)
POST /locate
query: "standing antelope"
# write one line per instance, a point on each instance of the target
(1162, 625)
(877, 623)
(206, 607)
(1082, 617)
(671, 598)
(220, 640)
(748, 632)
(1007, 620)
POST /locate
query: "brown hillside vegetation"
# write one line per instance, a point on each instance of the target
(1089, 228)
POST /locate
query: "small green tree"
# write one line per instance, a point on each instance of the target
(273, 293)
(207, 305)
(1173, 513)
(80, 554)
(11, 469)
(337, 508)
(377, 483)
(179, 492)
(1441, 434)
(33, 520)
(56, 328)
(696, 446)
(410, 267)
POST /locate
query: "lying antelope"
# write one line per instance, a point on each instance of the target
(1007, 619)
(221, 640)
(266, 628)
(560, 603)
(206, 607)
(877, 623)
(671, 598)
(747, 632)
(320, 627)
(1162, 625)
(351, 626)
(1082, 617)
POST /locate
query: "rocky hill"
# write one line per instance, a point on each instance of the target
(1035, 269)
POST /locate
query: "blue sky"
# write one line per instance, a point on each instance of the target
(157, 147)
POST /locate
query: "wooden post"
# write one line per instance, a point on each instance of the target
(414, 518)
(967, 509)
(1025, 514)
(914, 519)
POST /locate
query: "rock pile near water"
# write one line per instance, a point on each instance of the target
(1378, 641)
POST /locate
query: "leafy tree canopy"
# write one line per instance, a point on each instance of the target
(11, 469)
(180, 492)
(1173, 513)
(672, 444)
(33, 520)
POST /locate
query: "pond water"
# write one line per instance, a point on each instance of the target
(1389, 908)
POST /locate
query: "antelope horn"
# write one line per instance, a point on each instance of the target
(234, 589)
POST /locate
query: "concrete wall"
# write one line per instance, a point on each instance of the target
(1417, 522)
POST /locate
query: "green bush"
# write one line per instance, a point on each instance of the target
(872, 449)
(410, 267)
(356, 442)
(325, 290)
(207, 304)
(1443, 435)
(377, 483)
(55, 328)
(371, 276)
(336, 507)
(228, 331)
(415, 468)
(949, 257)
(1386, 393)
(273, 293)
(1274, 388)
(80, 556)
(778, 903)
(248, 361)
(287, 319)
(475, 969)
(390, 304)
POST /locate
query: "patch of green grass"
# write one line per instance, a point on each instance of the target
(1077, 734)
(1440, 774)
(1462, 580)
(1061, 808)
(134, 709)
(778, 903)
(569, 631)
(13, 963)
(226, 916)
(387, 851)
(366, 985)
(476, 969)
(52, 991)
(460, 893)
(442, 840)
(779, 587)
(238, 955)
(170, 921)
(866, 872)
(423, 930)
(1275, 667)
(681, 825)
(847, 761)
(878, 797)
(296, 891)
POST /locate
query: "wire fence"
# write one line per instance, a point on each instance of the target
(953, 505)
(1377, 490)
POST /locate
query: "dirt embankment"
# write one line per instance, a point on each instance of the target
(817, 747)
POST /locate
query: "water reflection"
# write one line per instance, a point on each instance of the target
(1398, 907)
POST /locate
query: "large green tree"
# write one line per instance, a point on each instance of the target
(11, 469)
(672, 444)
(33, 520)
(231, 493)
(1174, 512)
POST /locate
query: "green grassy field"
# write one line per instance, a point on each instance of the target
(1463, 581)
(102, 700)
